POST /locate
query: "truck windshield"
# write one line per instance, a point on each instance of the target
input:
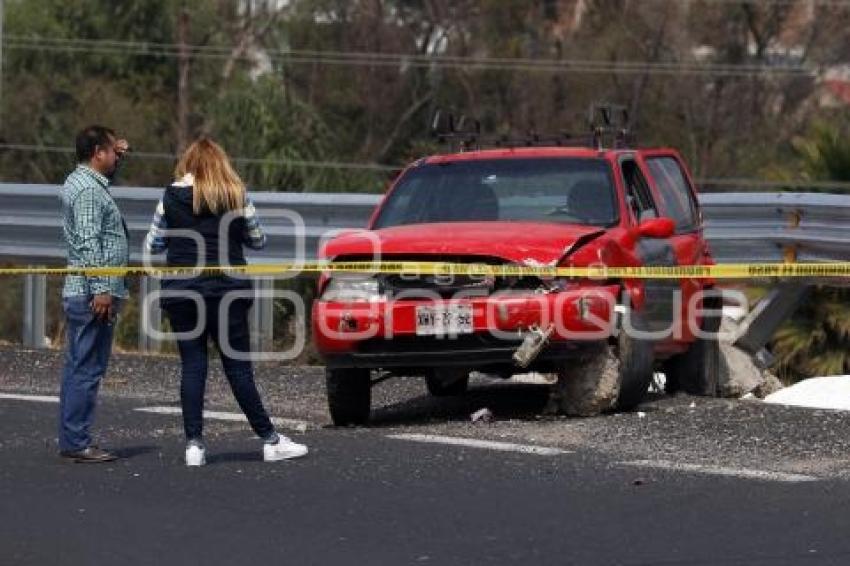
(573, 190)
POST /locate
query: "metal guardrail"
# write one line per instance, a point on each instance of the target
(740, 227)
(756, 227)
(30, 233)
(30, 229)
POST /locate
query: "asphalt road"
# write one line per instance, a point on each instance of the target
(364, 497)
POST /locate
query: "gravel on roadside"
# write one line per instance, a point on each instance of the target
(710, 431)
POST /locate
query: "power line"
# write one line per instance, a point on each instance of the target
(826, 3)
(241, 160)
(770, 184)
(330, 57)
(2, 28)
(729, 182)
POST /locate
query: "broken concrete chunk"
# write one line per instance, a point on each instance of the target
(739, 373)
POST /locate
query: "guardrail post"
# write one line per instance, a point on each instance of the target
(35, 303)
(262, 315)
(775, 308)
(150, 318)
(789, 251)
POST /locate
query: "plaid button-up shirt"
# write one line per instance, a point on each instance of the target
(94, 232)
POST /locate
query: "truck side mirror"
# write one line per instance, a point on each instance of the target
(657, 228)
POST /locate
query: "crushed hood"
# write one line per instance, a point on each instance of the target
(525, 243)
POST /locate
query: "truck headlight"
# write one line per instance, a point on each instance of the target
(352, 290)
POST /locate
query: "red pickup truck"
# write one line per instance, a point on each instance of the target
(536, 206)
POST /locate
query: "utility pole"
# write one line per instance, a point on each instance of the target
(1, 68)
(183, 64)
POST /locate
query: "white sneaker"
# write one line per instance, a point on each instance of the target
(285, 449)
(195, 454)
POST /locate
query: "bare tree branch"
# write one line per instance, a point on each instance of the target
(408, 115)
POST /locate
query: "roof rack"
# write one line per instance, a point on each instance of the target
(446, 128)
(611, 121)
(608, 125)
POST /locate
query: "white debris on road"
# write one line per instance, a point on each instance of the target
(484, 415)
(832, 392)
(659, 382)
(535, 378)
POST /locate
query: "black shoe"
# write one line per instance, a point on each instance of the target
(90, 455)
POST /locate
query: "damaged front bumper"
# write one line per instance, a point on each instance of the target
(385, 334)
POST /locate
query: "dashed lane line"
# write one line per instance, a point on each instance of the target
(743, 473)
(33, 398)
(482, 444)
(301, 426)
(291, 424)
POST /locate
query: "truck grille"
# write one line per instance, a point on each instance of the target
(428, 286)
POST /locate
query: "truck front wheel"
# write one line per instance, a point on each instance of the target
(349, 393)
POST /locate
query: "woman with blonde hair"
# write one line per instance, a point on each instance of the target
(207, 207)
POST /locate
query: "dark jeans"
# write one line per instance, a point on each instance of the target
(183, 315)
(89, 344)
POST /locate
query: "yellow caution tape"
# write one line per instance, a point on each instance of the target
(722, 271)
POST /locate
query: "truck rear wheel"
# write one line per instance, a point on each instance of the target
(697, 370)
(349, 393)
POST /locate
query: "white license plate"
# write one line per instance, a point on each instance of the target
(451, 319)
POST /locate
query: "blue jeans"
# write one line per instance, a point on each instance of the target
(184, 317)
(89, 344)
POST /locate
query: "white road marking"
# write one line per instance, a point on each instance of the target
(743, 473)
(292, 424)
(485, 444)
(33, 398)
(301, 426)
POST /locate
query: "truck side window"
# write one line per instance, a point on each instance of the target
(676, 194)
(637, 192)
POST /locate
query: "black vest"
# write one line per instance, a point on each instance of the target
(183, 251)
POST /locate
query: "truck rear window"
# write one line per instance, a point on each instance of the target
(576, 191)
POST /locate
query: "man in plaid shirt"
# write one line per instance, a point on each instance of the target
(96, 236)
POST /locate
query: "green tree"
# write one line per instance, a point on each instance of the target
(54, 85)
(289, 143)
(68, 65)
(817, 339)
(824, 153)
